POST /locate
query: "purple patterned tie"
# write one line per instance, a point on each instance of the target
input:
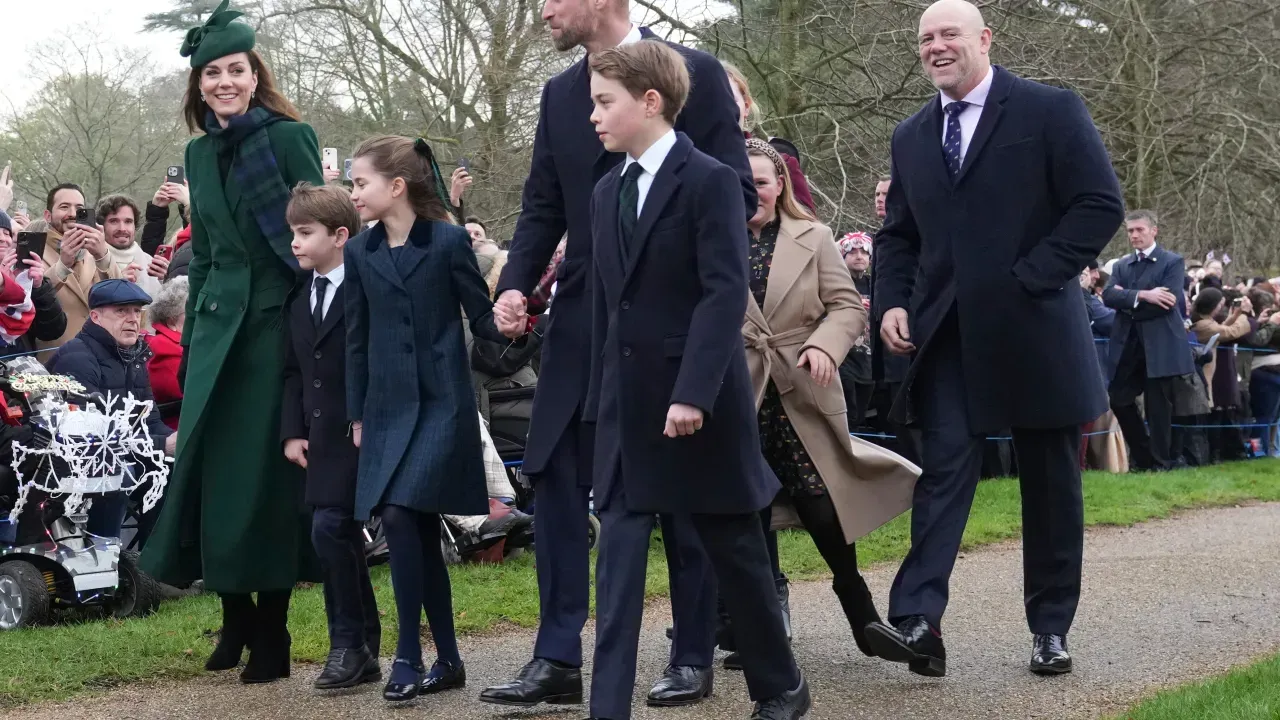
(951, 145)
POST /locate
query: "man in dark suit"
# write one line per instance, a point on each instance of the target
(1148, 347)
(670, 390)
(568, 160)
(317, 437)
(1002, 192)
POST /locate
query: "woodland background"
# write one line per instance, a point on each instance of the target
(1185, 93)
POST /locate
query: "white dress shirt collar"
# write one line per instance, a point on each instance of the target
(334, 276)
(653, 158)
(1146, 254)
(632, 37)
(977, 97)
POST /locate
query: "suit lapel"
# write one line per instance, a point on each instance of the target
(609, 254)
(302, 314)
(380, 255)
(931, 128)
(661, 190)
(1001, 85)
(214, 208)
(791, 255)
(333, 317)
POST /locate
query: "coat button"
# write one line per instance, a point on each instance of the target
(626, 352)
(216, 265)
(408, 348)
(407, 321)
(318, 355)
(626, 305)
(315, 413)
(316, 383)
(213, 307)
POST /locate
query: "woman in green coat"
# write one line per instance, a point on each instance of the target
(234, 512)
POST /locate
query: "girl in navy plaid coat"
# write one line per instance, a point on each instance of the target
(409, 389)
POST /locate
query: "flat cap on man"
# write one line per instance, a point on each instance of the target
(117, 292)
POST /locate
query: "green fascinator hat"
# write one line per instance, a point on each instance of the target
(218, 37)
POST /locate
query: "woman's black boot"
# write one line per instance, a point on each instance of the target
(860, 608)
(238, 613)
(270, 644)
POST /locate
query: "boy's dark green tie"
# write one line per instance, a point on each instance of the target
(628, 203)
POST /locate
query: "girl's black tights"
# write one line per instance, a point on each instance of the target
(420, 579)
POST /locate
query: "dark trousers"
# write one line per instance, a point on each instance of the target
(562, 500)
(106, 515)
(349, 604)
(562, 557)
(1052, 501)
(735, 546)
(1151, 445)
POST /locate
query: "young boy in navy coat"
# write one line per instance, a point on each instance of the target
(317, 436)
(670, 392)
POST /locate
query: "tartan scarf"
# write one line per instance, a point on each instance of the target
(256, 171)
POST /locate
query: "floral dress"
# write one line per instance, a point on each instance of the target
(779, 443)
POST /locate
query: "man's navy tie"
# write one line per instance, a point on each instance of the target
(628, 203)
(951, 146)
(317, 313)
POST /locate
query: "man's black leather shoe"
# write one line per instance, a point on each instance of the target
(540, 681)
(404, 685)
(345, 668)
(681, 685)
(912, 642)
(1049, 655)
(444, 676)
(790, 705)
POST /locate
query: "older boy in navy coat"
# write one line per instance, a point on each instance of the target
(317, 436)
(670, 392)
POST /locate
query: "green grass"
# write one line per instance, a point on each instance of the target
(1248, 693)
(61, 661)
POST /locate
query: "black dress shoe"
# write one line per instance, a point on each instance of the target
(681, 685)
(913, 642)
(444, 676)
(540, 681)
(733, 661)
(345, 668)
(1049, 655)
(790, 705)
(405, 682)
(372, 670)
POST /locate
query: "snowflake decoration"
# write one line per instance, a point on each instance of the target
(101, 452)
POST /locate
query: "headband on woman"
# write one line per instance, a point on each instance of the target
(767, 150)
(423, 148)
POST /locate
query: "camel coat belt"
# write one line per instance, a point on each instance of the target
(811, 302)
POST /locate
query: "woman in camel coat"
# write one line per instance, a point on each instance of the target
(801, 322)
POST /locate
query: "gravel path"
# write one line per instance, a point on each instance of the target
(1164, 602)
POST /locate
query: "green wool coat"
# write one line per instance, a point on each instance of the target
(233, 513)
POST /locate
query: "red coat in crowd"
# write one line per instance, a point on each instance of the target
(166, 348)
